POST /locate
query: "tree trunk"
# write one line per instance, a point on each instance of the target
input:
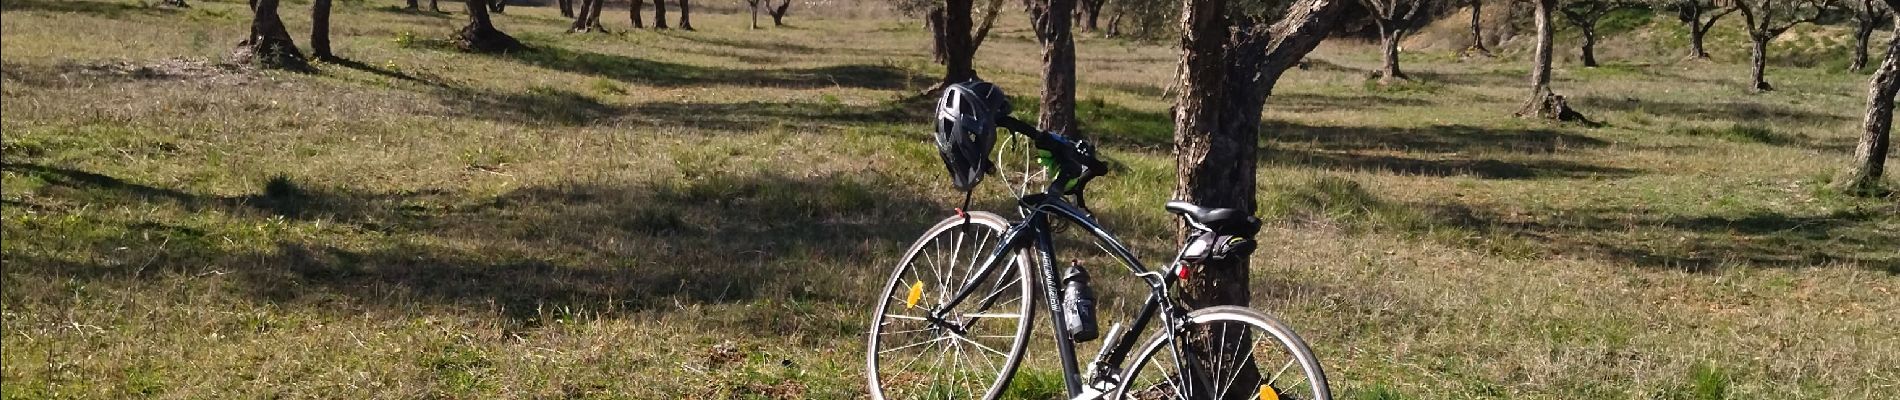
(755, 13)
(433, 7)
(269, 44)
(1758, 60)
(412, 6)
(1213, 168)
(959, 51)
(778, 13)
(1590, 47)
(1544, 103)
(593, 17)
(1225, 78)
(567, 8)
(1114, 25)
(1697, 31)
(1050, 19)
(480, 35)
(934, 21)
(659, 14)
(498, 6)
(580, 21)
(320, 30)
(686, 15)
(1091, 14)
(633, 13)
(1389, 36)
(1863, 32)
(1477, 30)
(1876, 126)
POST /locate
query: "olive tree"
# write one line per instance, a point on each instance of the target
(1767, 20)
(1393, 18)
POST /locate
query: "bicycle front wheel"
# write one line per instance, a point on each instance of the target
(969, 352)
(1226, 352)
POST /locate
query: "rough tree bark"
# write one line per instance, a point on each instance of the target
(778, 13)
(1758, 63)
(1543, 102)
(686, 15)
(433, 7)
(269, 45)
(659, 14)
(320, 30)
(567, 8)
(1229, 65)
(1050, 19)
(412, 6)
(480, 35)
(1389, 44)
(633, 13)
(1876, 127)
(953, 39)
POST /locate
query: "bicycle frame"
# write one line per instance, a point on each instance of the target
(1036, 228)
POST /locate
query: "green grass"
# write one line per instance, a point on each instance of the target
(709, 214)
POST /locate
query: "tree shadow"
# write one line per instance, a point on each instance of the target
(660, 73)
(537, 106)
(1703, 243)
(754, 114)
(1448, 138)
(99, 8)
(1712, 111)
(384, 72)
(1310, 103)
(1484, 168)
(416, 12)
(607, 248)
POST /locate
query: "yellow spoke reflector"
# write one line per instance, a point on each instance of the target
(1267, 393)
(916, 291)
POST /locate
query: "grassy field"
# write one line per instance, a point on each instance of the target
(707, 214)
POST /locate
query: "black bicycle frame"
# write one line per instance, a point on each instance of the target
(1036, 227)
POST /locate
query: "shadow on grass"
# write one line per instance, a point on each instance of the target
(1430, 139)
(661, 73)
(384, 72)
(1482, 168)
(1712, 111)
(99, 8)
(753, 114)
(1695, 243)
(416, 12)
(1702, 243)
(607, 249)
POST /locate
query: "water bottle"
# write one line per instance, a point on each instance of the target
(1078, 304)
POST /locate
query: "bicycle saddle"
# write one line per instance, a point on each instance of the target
(1226, 221)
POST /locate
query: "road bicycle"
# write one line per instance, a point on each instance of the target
(955, 317)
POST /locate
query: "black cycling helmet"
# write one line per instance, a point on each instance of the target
(966, 129)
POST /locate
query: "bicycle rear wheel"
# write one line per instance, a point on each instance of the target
(1229, 353)
(972, 351)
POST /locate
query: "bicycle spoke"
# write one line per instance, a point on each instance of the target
(938, 339)
(1276, 375)
(979, 345)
